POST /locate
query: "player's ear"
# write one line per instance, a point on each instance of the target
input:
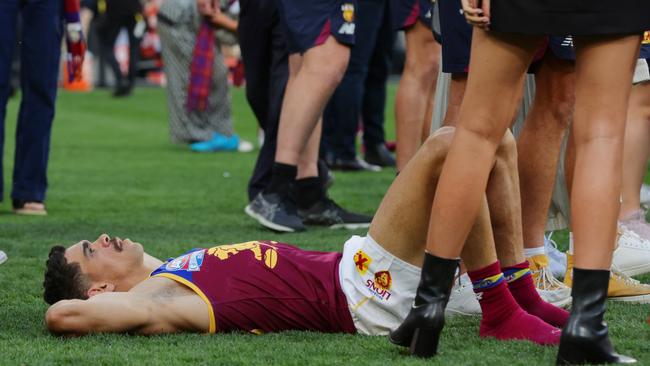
(99, 288)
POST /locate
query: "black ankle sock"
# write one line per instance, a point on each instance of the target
(309, 191)
(282, 177)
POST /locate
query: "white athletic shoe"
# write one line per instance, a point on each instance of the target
(462, 300)
(3, 257)
(556, 258)
(632, 255)
(548, 287)
(645, 195)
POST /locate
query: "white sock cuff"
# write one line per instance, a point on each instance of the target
(531, 252)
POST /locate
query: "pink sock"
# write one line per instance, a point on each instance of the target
(503, 318)
(520, 283)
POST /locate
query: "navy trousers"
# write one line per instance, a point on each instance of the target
(266, 67)
(342, 113)
(40, 48)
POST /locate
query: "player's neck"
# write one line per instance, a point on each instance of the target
(149, 264)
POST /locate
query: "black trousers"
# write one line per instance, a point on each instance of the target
(266, 66)
(108, 30)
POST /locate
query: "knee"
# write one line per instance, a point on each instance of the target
(329, 72)
(422, 64)
(438, 142)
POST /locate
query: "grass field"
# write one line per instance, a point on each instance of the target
(113, 170)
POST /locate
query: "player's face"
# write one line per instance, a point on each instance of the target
(106, 258)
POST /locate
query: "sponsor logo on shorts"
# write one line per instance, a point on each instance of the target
(191, 262)
(347, 11)
(567, 42)
(362, 262)
(380, 285)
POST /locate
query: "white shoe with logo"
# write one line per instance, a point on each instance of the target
(632, 255)
(3, 257)
(462, 300)
(556, 258)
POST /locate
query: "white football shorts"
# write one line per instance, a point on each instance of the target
(379, 287)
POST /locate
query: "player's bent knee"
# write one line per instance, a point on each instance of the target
(507, 146)
(439, 141)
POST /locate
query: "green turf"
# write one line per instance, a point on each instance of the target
(113, 170)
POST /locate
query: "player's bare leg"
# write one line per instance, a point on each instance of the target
(415, 93)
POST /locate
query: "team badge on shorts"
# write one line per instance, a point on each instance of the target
(348, 12)
(362, 262)
(380, 285)
(646, 37)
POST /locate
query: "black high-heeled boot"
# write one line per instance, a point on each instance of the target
(584, 338)
(421, 328)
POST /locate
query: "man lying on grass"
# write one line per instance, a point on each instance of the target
(112, 285)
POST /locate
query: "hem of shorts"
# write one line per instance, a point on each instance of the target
(464, 69)
(405, 265)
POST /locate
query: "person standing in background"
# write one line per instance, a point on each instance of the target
(198, 97)
(115, 15)
(341, 115)
(40, 48)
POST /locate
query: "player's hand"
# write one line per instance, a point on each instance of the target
(75, 47)
(477, 13)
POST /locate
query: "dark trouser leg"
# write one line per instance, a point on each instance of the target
(8, 16)
(374, 97)
(341, 116)
(108, 35)
(41, 50)
(134, 50)
(267, 70)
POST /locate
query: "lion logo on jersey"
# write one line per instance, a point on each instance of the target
(261, 251)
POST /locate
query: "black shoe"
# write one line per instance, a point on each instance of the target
(421, 329)
(122, 90)
(379, 155)
(584, 338)
(353, 165)
(325, 174)
(275, 212)
(326, 212)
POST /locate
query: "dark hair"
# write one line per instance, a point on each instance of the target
(63, 280)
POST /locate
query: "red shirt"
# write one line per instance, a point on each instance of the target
(265, 286)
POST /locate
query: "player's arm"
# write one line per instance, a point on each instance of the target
(105, 313)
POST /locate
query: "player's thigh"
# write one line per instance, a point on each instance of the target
(498, 65)
(402, 219)
(604, 69)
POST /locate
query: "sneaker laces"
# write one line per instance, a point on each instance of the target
(545, 281)
(616, 274)
(626, 231)
(551, 242)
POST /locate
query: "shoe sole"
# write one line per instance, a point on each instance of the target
(20, 211)
(639, 299)
(635, 271)
(266, 223)
(453, 312)
(350, 226)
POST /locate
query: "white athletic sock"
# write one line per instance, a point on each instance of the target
(531, 252)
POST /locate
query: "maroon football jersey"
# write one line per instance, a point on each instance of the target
(265, 286)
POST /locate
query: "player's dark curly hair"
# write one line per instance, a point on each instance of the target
(63, 280)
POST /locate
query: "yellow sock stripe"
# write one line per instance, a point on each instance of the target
(515, 274)
(488, 282)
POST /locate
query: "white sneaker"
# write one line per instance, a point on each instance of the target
(548, 287)
(645, 195)
(556, 258)
(3, 257)
(462, 300)
(632, 255)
